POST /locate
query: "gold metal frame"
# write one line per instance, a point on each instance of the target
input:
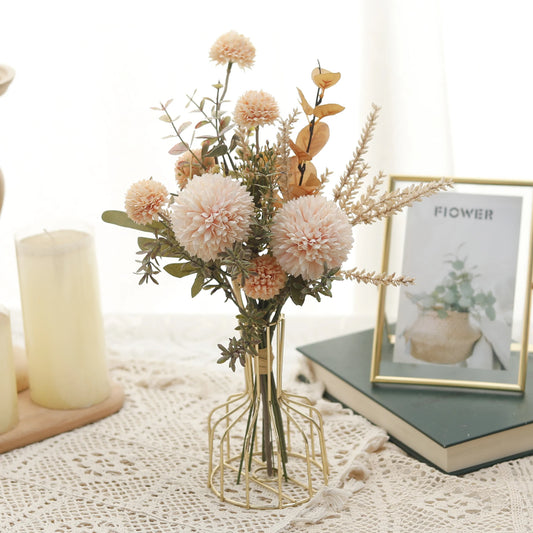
(382, 331)
(241, 478)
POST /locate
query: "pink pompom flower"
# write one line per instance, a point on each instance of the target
(210, 214)
(144, 199)
(266, 279)
(234, 47)
(256, 108)
(309, 233)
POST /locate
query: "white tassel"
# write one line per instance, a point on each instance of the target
(376, 442)
(328, 502)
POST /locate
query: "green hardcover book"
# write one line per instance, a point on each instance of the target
(455, 430)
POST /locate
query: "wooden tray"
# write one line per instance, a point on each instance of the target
(38, 423)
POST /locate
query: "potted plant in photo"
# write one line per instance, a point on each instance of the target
(445, 331)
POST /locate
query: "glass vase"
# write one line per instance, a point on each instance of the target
(266, 446)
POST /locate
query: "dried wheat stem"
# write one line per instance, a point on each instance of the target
(362, 276)
(351, 178)
(367, 211)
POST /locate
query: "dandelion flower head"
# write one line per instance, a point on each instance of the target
(234, 47)
(255, 108)
(308, 233)
(210, 214)
(144, 199)
(266, 279)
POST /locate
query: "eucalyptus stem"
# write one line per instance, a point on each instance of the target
(218, 105)
(181, 138)
(226, 81)
(257, 139)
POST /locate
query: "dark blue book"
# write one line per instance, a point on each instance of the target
(455, 430)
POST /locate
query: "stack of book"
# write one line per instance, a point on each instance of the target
(455, 430)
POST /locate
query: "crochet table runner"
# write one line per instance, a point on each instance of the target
(144, 469)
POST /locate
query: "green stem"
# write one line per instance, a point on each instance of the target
(250, 413)
(267, 426)
(278, 421)
(226, 81)
(257, 139)
(218, 104)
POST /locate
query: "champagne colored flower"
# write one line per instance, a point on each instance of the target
(144, 199)
(309, 233)
(255, 108)
(234, 47)
(188, 166)
(266, 278)
(210, 214)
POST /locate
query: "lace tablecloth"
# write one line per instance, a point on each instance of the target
(144, 468)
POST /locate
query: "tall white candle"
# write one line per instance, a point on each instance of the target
(62, 319)
(8, 382)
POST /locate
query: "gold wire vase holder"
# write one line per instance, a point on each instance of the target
(266, 446)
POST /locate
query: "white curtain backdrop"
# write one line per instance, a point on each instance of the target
(453, 79)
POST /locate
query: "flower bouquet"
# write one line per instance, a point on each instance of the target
(250, 220)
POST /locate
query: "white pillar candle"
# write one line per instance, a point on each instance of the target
(62, 319)
(8, 382)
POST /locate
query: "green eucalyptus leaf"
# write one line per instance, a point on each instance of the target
(120, 218)
(224, 122)
(201, 124)
(297, 297)
(458, 264)
(183, 127)
(491, 313)
(178, 149)
(197, 285)
(234, 142)
(217, 151)
(145, 242)
(180, 270)
(441, 313)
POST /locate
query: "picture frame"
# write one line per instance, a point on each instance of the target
(465, 321)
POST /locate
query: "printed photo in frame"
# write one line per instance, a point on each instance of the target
(465, 320)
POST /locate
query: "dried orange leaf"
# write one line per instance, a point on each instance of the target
(295, 191)
(308, 110)
(301, 154)
(319, 140)
(324, 78)
(310, 184)
(326, 110)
